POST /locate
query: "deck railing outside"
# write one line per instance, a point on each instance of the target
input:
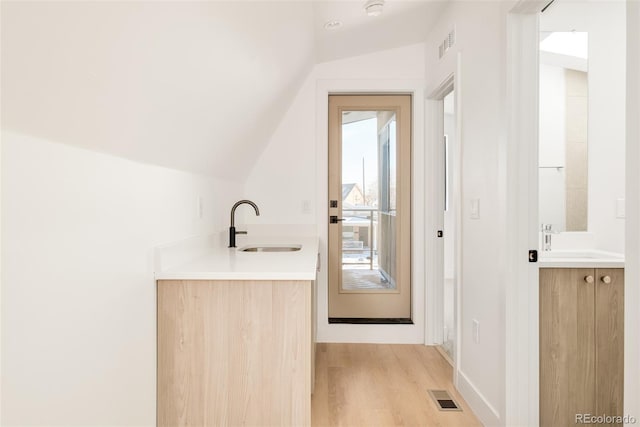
(357, 219)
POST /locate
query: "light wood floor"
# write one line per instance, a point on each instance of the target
(383, 385)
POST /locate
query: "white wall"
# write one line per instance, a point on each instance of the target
(481, 90)
(606, 25)
(78, 294)
(196, 86)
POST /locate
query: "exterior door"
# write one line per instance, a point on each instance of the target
(370, 208)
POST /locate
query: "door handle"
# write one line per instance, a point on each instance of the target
(333, 219)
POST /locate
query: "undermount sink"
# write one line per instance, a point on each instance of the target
(270, 248)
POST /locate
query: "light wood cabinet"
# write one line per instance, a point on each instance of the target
(581, 344)
(235, 352)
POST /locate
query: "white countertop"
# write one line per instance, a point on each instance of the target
(580, 259)
(221, 263)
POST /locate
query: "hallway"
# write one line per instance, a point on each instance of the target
(383, 385)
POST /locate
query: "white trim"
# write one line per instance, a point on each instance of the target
(481, 407)
(632, 225)
(434, 257)
(459, 227)
(433, 253)
(396, 334)
(521, 285)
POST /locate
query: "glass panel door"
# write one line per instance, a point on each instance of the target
(368, 148)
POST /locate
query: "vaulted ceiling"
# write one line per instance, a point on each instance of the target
(198, 86)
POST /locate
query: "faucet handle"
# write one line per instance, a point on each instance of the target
(241, 232)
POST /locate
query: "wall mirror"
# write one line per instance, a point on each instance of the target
(563, 134)
(582, 47)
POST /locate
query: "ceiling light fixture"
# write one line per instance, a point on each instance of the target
(374, 7)
(332, 25)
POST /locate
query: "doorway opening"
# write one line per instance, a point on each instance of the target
(445, 229)
(449, 232)
(370, 209)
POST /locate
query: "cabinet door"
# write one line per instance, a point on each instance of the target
(609, 341)
(567, 340)
(234, 352)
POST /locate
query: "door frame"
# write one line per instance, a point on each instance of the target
(522, 277)
(434, 104)
(358, 333)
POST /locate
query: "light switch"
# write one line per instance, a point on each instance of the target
(199, 207)
(620, 208)
(475, 208)
(476, 331)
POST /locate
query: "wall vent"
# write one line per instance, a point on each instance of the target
(447, 44)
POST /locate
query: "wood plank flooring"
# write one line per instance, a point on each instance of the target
(383, 385)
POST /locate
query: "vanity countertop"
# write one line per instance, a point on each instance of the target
(219, 262)
(580, 259)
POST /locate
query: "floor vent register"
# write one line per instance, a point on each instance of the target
(443, 400)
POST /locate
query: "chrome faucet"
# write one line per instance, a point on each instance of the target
(232, 229)
(547, 231)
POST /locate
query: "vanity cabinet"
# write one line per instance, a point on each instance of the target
(235, 352)
(581, 344)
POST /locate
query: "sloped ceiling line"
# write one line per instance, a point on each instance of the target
(197, 86)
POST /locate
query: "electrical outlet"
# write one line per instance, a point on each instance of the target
(306, 206)
(476, 331)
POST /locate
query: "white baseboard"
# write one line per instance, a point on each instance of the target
(478, 403)
(370, 334)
